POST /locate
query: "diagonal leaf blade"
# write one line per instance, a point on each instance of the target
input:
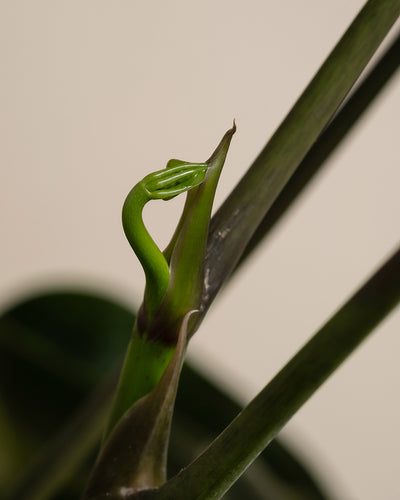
(347, 117)
(222, 463)
(237, 219)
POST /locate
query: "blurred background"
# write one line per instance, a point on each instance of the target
(94, 95)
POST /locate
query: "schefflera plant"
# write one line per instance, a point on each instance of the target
(134, 452)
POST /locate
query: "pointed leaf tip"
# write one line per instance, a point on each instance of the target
(224, 144)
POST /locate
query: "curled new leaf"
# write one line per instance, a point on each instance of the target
(169, 295)
(187, 249)
(163, 184)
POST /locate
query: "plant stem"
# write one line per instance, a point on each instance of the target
(144, 364)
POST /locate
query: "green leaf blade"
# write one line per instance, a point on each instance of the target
(238, 218)
(347, 117)
(213, 472)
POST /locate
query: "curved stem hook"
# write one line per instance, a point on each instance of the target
(165, 184)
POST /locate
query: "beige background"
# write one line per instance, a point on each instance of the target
(95, 94)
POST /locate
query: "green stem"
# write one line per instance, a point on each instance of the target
(213, 472)
(134, 457)
(145, 362)
(150, 256)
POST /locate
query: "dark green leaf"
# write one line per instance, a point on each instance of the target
(57, 467)
(54, 350)
(347, 117)
(239, 216)
(224, 461)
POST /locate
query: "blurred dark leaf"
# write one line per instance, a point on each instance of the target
(55, 350)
